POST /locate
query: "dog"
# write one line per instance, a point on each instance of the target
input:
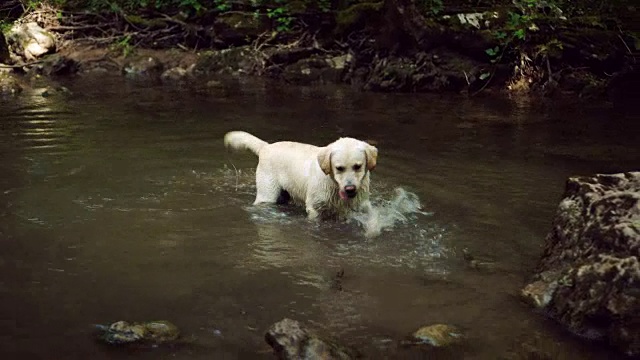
(330, 181)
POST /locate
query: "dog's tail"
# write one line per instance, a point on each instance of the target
(240, 140)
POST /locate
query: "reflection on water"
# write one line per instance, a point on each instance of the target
(120, 203)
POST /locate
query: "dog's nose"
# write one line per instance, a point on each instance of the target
(350, 190)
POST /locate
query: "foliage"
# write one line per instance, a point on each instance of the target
(5, 26)
(124, 46)
(513, 37)
(432, 6)
(520, 21)
(280, 12)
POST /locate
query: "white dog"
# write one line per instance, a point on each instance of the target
(330, 181)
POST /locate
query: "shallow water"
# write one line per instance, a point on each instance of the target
(119, 202)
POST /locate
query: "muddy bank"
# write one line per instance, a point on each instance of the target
(386, 46)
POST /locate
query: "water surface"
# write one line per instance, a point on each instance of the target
(119, 202)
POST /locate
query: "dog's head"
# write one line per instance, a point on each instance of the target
(348, 161)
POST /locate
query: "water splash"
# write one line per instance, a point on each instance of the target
(387, 213)
(390, 206)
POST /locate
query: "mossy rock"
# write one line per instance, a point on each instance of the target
(437, 335)
(151, 332)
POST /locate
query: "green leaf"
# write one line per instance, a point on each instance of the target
(483, 76)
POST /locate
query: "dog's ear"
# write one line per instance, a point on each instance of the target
(372, 156)
(324, 160)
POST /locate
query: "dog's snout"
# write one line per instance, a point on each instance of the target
(350, 190)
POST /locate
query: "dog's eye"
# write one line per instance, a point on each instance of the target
(357, 167)
(340, 168)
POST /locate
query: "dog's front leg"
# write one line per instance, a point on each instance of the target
(312, 214)
(311, 205)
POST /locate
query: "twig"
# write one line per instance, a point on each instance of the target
(625, 44)
(82, 27)
(2, 66)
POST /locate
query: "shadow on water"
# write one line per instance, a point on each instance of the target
(119, 202)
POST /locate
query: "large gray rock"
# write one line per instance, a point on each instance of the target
(291, 341)
(30, 41)
(589, 276)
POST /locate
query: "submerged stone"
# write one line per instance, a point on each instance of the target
(152, 332)
(290, 340)
(437, 335)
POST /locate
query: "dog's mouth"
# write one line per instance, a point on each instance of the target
(348, 193)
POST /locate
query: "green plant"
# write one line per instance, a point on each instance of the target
(5, 26)
(433, 6)
(124, 45)
(516, 27)
(281, 15)
(324, 5)
(222, 5)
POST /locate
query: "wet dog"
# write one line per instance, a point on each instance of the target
(330, 181)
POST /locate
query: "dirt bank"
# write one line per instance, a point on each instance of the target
(389, 46)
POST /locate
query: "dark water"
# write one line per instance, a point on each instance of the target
(120, 203)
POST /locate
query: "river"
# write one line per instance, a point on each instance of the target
(119, 202)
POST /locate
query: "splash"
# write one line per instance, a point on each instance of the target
(386, 214)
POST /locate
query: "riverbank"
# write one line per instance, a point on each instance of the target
(533, 48)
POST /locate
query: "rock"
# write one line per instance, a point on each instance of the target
(54, 65)
(286, 56)
(60, 65)
(290, 340)
(438, 335)
(589, 273)
(317, 70)
(152, 332)
(30, 41)
(55, 90)
(8, 84)
(143, 67)
(242, 59)
(176, 74)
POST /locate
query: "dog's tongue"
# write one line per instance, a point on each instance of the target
(343, 195)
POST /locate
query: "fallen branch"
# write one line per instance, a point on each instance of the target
(3, 66)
